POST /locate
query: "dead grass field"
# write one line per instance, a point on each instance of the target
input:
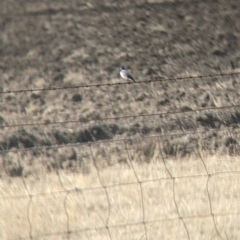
(194, 197)
(125, 178)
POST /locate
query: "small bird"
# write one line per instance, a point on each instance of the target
(124, 74)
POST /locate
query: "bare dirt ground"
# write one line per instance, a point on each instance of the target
(48, 44)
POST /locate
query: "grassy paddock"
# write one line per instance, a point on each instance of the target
(179, 187)
(128, 188)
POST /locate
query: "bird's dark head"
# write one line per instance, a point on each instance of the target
(122, 68)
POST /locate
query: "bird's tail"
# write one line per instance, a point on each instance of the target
(131, 78)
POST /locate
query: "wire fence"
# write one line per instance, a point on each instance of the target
(112, 205)
(121, 83)
(132, 187)
(82, 144)
(123, 117)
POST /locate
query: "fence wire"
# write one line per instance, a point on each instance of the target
(120, 83)
(103, 120)
(105, 190)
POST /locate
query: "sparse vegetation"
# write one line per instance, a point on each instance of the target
(139, 175)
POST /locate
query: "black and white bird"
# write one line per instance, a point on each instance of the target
(124, 74)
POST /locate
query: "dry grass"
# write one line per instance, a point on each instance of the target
(127, 196)
(46, 192)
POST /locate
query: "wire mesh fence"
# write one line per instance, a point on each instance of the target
(181, 184)
(131, 188)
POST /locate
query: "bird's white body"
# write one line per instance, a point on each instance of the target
(124, 74)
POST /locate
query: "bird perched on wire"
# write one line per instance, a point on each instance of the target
(124, 74)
